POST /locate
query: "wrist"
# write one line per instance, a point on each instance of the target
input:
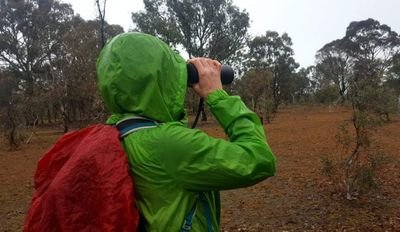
(216, 95)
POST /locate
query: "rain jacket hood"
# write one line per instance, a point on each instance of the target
(141, 75)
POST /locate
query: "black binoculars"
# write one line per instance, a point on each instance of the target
(227, 74)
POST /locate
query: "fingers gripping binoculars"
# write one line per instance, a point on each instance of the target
(227, 74)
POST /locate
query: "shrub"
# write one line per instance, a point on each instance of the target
(327, 95)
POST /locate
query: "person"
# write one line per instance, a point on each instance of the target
(178, 172)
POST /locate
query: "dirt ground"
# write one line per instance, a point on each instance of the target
(298, 198)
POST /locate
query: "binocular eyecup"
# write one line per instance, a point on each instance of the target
(227, 74)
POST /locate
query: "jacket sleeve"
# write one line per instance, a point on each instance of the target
(198, 162)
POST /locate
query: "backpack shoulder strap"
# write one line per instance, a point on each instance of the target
(132, 124)
(187, 223)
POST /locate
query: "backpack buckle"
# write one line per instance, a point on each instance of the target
(187, 226)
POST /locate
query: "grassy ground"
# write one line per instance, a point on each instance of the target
(298, 198)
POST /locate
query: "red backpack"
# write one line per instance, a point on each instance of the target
(83, 184)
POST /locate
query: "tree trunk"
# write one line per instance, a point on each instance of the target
(275, 107)
(64, 115)
(41, 118)
(55, 115)
(49, 116)
(12, 135)
(74, 113)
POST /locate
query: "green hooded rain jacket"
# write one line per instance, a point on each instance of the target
(171, 164)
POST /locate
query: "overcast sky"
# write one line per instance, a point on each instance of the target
(310, 23)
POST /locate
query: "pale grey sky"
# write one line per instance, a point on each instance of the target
(310, 23)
